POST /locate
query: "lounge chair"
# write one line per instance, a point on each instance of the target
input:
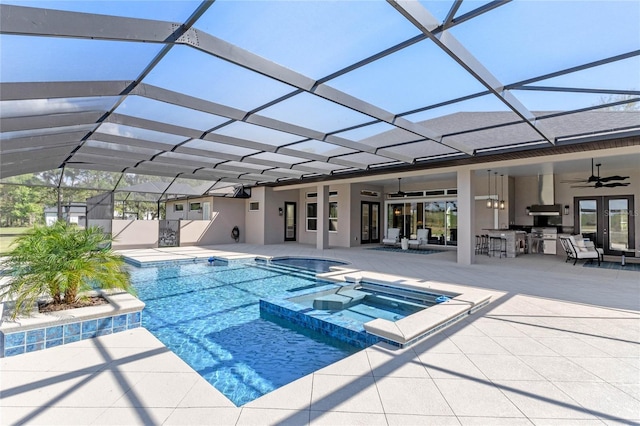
(392, 238)
(422, 237)
(588, 244)
(576, 252)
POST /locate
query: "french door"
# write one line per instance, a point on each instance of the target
(607, 220)
(369, 222)
(290, 225)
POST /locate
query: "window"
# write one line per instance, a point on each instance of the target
(312, 216)
(333, 217)
(194, 206)
(254, 206)
(178, 207)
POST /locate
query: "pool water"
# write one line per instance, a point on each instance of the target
(209, 316)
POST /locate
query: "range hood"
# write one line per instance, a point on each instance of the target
(546, 198)
(545, 210)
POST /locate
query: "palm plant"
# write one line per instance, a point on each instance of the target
(61, 261)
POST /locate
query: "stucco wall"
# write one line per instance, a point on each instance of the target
(134, 233)
(226, 213)
(254, 220)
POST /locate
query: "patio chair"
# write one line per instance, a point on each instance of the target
(575, 252)
(586, 242)
(392, 238)
(422, 237)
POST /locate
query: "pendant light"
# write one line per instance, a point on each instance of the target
(489, 202)
(495, 184)
(502, 203)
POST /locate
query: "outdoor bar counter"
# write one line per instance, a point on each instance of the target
(515, 241)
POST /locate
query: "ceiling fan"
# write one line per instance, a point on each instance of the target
(400, 192)
(600, 182)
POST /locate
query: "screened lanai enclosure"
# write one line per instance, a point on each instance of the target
(155, 100)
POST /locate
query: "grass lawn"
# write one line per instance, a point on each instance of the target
(7, 235)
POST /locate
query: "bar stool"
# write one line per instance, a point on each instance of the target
(478, 244)
(484, 244)
(498, 245)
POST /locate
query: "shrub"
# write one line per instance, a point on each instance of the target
(61, 261)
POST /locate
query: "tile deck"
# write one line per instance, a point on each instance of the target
(559, 344)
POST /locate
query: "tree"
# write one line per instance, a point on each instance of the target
(628, 105)
(61, 261)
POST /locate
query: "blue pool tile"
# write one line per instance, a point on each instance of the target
(71, 339)
(89, 327)
(89, 335)
(120, 321)
(55, 332)
(14, 351)
(105, 323)
(119, 329)
(54, 342)
(134, 325)
(14, 339)
(34, 336)
(35, 347)
(103, 332)
(72, 329)
(133, 317)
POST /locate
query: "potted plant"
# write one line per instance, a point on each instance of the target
(62, 262)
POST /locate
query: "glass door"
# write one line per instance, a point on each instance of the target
(608, 221)
(289, 221)
(369, 222)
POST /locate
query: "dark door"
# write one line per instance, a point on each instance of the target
(607, 220)
(369, 222)
(290, 221)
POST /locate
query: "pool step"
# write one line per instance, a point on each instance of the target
(338, 301)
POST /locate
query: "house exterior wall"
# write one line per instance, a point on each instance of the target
(355, 199)
(565, 195)
(197, 230)
(187, 213)
(225, 214)
(254, 220)
(274, 223)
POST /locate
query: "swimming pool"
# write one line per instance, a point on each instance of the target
(209, 315)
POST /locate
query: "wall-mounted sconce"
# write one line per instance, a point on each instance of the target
(527, 209)
(280, 211)
(566, 210)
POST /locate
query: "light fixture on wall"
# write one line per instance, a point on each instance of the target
(502, 203)
(495, 187)
(566, 209)
(489, 202)
(527, 209)
(280, 211)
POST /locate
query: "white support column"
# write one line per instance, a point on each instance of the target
(466, 215)
(322, 236)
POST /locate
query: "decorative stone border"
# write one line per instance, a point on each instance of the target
(42, 331)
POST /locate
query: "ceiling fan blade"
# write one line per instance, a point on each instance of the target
(610, 178)
(583, 186)
(614, 184)
(574, 181)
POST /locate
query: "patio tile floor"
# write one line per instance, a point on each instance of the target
(558, 345)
